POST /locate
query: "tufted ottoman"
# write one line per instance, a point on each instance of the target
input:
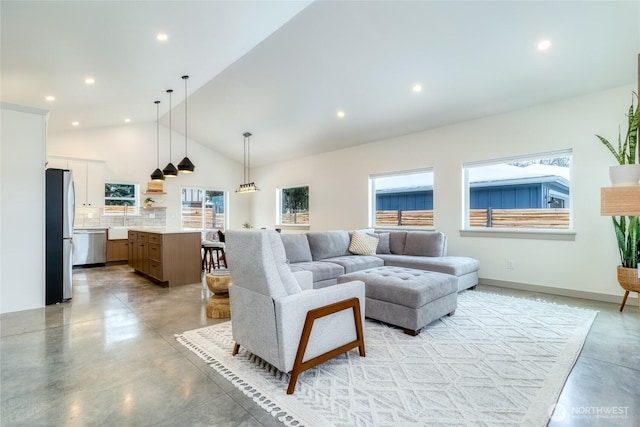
(406, 297)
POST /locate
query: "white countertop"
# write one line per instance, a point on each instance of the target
(162, 230)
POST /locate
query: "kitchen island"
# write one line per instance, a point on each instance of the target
(168, 257)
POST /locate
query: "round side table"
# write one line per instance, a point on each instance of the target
(218, 304)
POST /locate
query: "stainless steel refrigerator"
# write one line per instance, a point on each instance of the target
(59, 217)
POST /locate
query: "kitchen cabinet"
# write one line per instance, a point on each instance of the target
(117, 250)
(57, 163)
(139, 251)
(88, 178)
(169, 258)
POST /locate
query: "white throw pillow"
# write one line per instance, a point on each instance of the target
(363, 244)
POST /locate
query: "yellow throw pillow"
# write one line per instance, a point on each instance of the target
(363, 244)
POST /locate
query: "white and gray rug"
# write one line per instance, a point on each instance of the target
(499, 361)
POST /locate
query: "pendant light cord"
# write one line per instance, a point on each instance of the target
(170, 91)
(185, 78)
(157, 133)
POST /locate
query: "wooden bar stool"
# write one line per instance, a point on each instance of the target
(207, 256)
(218, 248)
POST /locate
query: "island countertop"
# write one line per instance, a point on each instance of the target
(162, 230)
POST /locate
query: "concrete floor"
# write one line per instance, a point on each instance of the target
(109, 357)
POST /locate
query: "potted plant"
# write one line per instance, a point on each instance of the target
(148, 202)
(627, 233)
(247, 225)
(627, 228)
(627, 172)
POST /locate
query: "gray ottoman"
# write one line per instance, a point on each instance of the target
(406, 297)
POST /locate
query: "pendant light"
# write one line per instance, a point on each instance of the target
(185, 165)
(248, 186)
(157, 174)
(170, 170)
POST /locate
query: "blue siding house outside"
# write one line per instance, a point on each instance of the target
(529, 193)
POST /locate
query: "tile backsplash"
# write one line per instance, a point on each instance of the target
(95, 217)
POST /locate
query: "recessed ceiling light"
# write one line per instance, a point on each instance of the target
(89, 80)
(417, 88)
(544, 45)
(50, 98)
(75, 123)
(340, 114)
(162, 37)
(127, 120)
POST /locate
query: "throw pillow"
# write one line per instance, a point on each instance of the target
(383, 244)
(363, 244)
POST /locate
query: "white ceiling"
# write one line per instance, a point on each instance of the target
(281, 70)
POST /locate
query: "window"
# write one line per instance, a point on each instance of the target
(525, 192)
(203, 210)
(121, 198)
(293, 205)
(402, 199)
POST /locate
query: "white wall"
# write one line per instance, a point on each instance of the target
(338, 186)
(22, 185)
(130, 154)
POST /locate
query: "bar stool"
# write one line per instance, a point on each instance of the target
(218, 248)
(208, 248)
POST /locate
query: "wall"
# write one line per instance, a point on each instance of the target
(338, 186)
(130, 155)
(22, 186)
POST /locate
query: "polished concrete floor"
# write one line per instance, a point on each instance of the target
(109, 357)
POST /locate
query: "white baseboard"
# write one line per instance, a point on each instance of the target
(632, 300)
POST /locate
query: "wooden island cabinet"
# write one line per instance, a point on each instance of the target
(171, 258)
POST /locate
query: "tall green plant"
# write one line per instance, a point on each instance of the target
(626, 151)
(627, 234)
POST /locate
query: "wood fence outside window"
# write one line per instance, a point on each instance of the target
(494, 218)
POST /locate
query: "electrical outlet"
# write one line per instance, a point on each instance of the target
(509, 264)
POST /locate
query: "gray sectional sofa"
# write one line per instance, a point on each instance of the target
(326, 254)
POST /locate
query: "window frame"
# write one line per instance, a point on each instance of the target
(204, 190)
(135, 199)
(279, 201)
(373, 200)
(517, 232)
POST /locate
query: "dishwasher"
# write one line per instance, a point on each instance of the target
(89, 247)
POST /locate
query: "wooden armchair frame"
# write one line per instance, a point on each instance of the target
(312, 315)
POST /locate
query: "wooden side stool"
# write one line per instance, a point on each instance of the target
(218, 304)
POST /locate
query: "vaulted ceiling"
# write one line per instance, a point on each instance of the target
(283, 69)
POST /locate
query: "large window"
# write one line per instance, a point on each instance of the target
(203, 209)
(402, 199)
(293, 205)
(120, 198)
(522, 192)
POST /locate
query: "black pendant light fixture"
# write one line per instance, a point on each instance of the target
(157, 174)
(248, 186)
(185, 165)
(170, 170)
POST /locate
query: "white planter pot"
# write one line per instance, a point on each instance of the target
(624, 175)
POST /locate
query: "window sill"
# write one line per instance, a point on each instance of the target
(514, 233)
(293, 226)
(404, 227)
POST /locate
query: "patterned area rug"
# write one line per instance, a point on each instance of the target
(499, 361)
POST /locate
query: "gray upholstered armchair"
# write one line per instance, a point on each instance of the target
(277, 316)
